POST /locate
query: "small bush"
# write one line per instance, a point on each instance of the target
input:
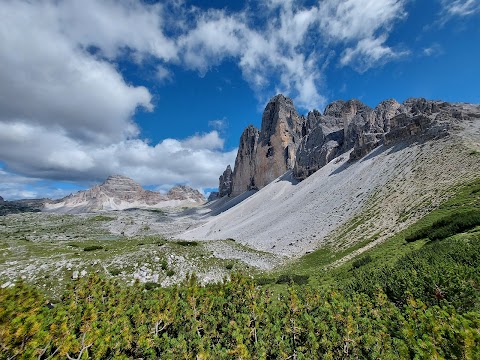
(229, 266)
(264, 281)
(102, 218)
(164, 265)
(296, 279)
(187, 243)
(170, 272)
(447, 226)
(151, 285)
(92, 248)
(362, 261)
(115, 272)
(158, 211)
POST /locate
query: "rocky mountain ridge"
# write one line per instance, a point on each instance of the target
(304, 144)
(120, 192)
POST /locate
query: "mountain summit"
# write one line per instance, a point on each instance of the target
(119, 192)
(304, 144)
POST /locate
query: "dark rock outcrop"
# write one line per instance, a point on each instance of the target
(214, 195)
(244, 171)
(21, 206)
(225, 182)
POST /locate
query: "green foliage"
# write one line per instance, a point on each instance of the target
(362, 261)
(170, 272)
(115, 272)
(229, 266)
(151, 285)
(92, 248)
(293, 278)
(446, 271)
(186, 243)
(164, 265)
(447, 226)
(102, 218)
(100, 319)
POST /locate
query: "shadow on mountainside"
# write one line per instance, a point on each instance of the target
(288, 176)
(228, 203)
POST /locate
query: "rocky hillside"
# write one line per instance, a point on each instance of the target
(119, 193)
(357, 175)
(305, 144)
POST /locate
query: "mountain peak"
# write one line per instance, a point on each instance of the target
(119, 192)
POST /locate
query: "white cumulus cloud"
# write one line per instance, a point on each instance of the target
(67, 112)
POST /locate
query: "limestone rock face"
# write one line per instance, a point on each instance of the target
(244, 171)
(331, 134)
(371, 129)
(277, 144)
(1, 200)
(305, 144)
(120, 192)
(225, 182)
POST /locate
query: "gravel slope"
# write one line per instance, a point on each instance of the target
(390, 188)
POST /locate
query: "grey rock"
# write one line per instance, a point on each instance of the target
(182, 192)
(332, 134)
(21, 206)
(75, 275)
(1, 200)
(225, 182)
(120, 192)
(305, 144)
(244, 170)
(214, 195)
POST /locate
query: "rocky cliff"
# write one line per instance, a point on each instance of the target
(225, 182)
(266, 154)
(120, 192)
(244, 171)
(306, 144)
(277, 143)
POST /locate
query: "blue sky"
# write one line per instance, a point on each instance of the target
(161, 91)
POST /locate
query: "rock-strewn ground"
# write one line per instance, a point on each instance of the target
(51, 250)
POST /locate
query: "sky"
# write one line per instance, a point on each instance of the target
(161, 91)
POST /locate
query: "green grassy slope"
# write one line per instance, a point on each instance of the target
(399, 300)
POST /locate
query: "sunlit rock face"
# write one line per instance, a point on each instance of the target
(288, 141)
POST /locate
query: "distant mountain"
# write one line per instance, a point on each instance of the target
(20, 206)
(120, 192)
